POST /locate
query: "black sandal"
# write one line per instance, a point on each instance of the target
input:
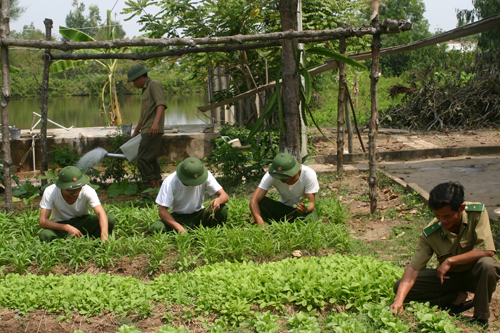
(456, 309)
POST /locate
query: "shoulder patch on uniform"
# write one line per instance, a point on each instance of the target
(474, 208)
(429, 230)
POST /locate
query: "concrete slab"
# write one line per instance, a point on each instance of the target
(480, 175)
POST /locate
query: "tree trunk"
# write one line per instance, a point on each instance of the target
(45, 101)
(341, 110)
(372, 136)
(4, 55)
(290, 140)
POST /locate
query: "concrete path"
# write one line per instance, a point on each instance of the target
(480, 175)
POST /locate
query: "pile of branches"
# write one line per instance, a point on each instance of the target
(452, 102)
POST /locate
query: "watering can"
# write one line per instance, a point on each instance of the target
(129, 149)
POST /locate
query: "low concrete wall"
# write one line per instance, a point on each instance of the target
(174, 147)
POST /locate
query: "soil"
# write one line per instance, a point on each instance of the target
(362, 226)
(393, 140)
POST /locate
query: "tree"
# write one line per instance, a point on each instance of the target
(488, 42)
(15, 10)
(29, 32)
(91, 24)
(211, 18)
(412, 11)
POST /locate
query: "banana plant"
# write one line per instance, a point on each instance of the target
(110, 109)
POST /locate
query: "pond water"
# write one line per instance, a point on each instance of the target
(85, 111)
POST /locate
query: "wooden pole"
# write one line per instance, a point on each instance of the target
(4, 55)
(355, 120)
(372, 136)
(350, 144)
(45, 99)
(290, 140)
(341, 109)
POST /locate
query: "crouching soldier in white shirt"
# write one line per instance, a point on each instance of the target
(182, 192)
(68, 200)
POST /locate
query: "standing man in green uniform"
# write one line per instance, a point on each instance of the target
(461, 238)
(151, 124)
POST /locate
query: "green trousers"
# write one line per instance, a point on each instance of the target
(275, 210)
(147, 157)
(193, 220)
(481, 280)
(87, 224)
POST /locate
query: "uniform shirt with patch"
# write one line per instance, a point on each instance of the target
(474, 234)
(152, 97)
(62, 211)
(184, 199)
(290, 194)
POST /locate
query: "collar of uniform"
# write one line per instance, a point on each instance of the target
(146, 84)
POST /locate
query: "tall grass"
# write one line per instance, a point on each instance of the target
(325, 112)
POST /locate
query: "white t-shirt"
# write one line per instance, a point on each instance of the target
(184, 199)
(62, 211)
(291, 194)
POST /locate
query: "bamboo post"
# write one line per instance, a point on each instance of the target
(341, 109)
(372, 136)
(45, 99)
(4, 55)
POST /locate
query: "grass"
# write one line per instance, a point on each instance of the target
(325, 112)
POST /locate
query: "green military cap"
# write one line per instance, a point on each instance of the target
(192, 172)
(284, 166)
(136, 72)
(71, 178)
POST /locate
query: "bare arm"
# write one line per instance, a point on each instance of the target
(156, 123)
(407, 282)
(462, 259)
(46, 223)
(221, 199)
(301, 208)
(137, 129)
(169, 220)
(257, 197)
(103, 222)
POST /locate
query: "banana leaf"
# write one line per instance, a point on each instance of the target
(75, 35)
(337, 56)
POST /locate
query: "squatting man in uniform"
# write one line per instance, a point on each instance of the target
(461, 238)
(151, 124)
(68, 200)
(183, 192)
(293, 182)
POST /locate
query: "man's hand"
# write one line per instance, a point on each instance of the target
(181, 229)
(301, 208)
(72, 231)
(398, 307)
(215, 205)
(442, 270)
(154, 130)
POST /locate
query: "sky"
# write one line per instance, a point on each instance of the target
(439, 13)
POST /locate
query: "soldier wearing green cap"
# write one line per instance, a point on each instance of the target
(151, 124)
(293, 182)
(461, 238)
(183, 192)
(67, 201)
